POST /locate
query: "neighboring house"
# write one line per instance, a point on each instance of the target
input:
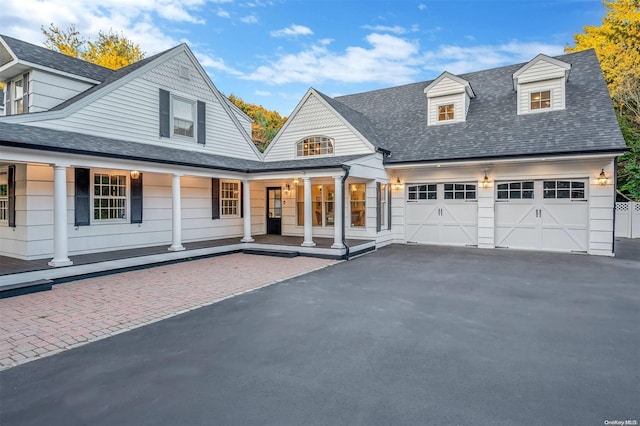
(95, 160)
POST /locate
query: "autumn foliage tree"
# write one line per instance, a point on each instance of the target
(617, 44)
(265, 124)
(112, 50)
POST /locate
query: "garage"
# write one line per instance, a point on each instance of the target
(542, 214)
(442, 213)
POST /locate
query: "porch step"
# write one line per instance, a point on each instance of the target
(19, 289)
(272, 252)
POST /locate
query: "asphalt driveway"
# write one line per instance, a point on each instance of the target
(411, 335)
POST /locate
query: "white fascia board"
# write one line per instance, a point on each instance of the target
(461, 81)
(289, 120)
(345, 122)
(21, 155)
(541, 57)
(483, 163)
(223, 101)
(298, 173)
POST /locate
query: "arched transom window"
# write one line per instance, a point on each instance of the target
(316, 145)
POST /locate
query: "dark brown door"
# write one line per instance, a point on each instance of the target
(274, 211)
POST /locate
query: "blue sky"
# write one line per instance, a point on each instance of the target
(269, 52)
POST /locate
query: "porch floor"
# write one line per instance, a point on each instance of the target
(14, 271)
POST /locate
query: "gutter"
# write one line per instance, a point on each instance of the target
(344, 210)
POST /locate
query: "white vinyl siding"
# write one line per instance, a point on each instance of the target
(315, 118)
(556, 87)
(48, 90)
(138, 119)
(458, 102)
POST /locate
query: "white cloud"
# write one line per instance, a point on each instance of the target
(134, 18)
(397, 29)
(216, 64)
(388, 59)
(292, 31)
(422, 6)
(223, 13)
(249, 19)
(263, 93)
(459, 60)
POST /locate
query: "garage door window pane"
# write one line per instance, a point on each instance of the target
(564, 189)
(459, 191)
(503, 195)
(422, 192)
(515, 190)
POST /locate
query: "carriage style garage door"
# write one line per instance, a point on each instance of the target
(542, 215)
(443, 213)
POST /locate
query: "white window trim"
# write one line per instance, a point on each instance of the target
(535, 111)
(14, 99)
(446, 120)
(383, 205)
(238, 201)
(351, 201)
(193, 118)
(126, 219)
(323, 203)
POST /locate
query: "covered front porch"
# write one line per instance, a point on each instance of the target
(18, 272)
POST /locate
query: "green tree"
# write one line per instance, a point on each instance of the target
(112, 50)
(617, 44)
(266, 123)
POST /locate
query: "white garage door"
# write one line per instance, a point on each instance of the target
(542, 215)
(443, 213)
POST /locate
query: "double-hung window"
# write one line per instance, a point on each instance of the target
(229, 199)
(4, 195)
(18, 96)
(322, 205)
(110, 196)
(183, 117)
(358, 204)
(540, 100)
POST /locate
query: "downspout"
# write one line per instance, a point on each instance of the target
(344, 210)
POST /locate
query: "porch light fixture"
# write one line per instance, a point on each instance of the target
(295, 181)
(135, 174)
(287, 188)
(397, 185)
(485, 181)
(602, 178)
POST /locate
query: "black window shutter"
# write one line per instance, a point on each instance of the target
(378, 206)
(215, 198)
(389, 206)
(136, 200)
(241, 199)
(11, 193)
(25, 93)
(82, 197)
(202, 122)
(165, 107)
(7, 97)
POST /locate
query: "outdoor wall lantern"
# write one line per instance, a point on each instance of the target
(485, 181)
(287, 189)
(397, 185)
(602, 178)
(135, 174)
(295, 181)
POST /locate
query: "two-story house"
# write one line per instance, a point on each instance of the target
(94, 160)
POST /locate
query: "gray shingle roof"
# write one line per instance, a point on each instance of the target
(31, 137)
(493, 129)
(115, 76)
(57, 61)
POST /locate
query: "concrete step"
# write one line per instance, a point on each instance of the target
(12, 290)
(272, 252)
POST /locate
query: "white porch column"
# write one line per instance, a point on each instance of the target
(60, 248)
(176, 216)
(308, 226)
(246, 211)
(338, 214)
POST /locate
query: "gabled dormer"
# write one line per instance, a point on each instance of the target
(540, 85)
(448, 99)
(37, 79)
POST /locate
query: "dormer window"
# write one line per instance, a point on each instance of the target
(448, 99)
(540, 100)
(316, 145)
(446, 112)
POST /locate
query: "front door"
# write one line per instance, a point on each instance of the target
(274, 211)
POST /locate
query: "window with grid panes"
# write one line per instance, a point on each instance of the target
(4, 195)
(573, 190)
(515, 190)
(109, 196)
(229, 198)
(445, 112)
(540, 100)
(459, 191)
(317, 145)
(422, 192)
